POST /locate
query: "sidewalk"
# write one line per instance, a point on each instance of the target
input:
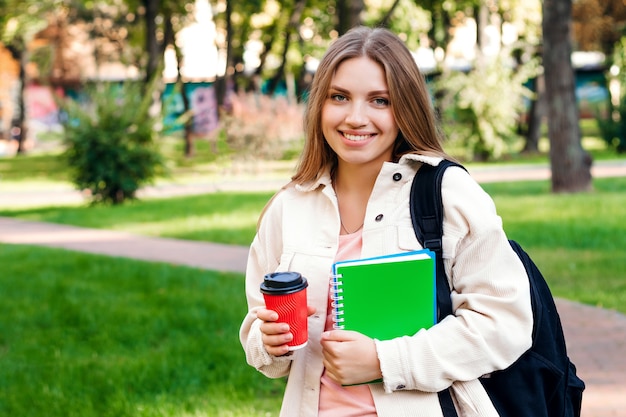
(596, 337)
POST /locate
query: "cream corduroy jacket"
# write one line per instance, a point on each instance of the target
(492, 321)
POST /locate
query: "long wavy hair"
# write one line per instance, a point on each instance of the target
(410, 100)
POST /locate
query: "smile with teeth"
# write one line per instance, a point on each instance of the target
(356, 138)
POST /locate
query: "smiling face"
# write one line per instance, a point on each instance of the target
(357, 120)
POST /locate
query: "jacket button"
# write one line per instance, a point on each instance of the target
(379, 217)
(397, 176)
(400, 387)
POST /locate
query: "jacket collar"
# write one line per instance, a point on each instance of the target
(324, 179)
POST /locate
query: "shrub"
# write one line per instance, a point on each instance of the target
(263, 127)
(110, 141)
(612, 124)
(481, 109)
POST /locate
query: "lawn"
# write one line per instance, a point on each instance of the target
(91, 336)
(577, 240)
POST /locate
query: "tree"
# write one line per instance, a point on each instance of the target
(19, 22)
(598, 24)
(154, 50)
(348, 14)
(571, 164)
(293, 25)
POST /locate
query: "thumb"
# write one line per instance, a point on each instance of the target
(338, 335)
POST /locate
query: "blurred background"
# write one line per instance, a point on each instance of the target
(218, 68)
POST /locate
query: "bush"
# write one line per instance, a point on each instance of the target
(612, 124)
(480, 109)
(613, 127)
(110, 142)
(263, 127)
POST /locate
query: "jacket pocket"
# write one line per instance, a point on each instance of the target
(286, 259)
(407, 240)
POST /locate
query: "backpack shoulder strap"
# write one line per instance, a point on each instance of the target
(426, 207)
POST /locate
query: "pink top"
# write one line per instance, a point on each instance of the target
(336, 400)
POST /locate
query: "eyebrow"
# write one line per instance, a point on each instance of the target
(370, 93)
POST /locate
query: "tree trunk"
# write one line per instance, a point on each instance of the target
(349, 14)
(152, 45)
(384, 22)
(21, 108)
(222, 84)
(292, 26)
(187, 111)
(17, 49)
(571, 165)
(535, 117)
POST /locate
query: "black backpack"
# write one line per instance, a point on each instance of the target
(543, 381)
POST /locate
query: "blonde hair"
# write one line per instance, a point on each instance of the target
(408, 93)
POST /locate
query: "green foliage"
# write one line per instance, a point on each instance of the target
(612, 124)
(611, 127)
(480, 109)
(110, 142)
(92, 336)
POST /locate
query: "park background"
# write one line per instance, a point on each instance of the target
(90, 335)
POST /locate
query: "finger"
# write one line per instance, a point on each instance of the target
(311, 310)
(277, 340)
(272, 328)
(281, 350)
(332, 371)
(266, 315)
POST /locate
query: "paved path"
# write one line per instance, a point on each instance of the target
(596, 337)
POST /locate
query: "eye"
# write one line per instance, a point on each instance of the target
(338, 97)
(382, 102)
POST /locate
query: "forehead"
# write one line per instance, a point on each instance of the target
(360, 72)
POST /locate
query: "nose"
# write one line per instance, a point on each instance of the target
(357, 114)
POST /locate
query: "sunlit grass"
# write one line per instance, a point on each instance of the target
(577, 240)
(91, 336)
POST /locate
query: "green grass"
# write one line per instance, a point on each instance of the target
(85, 335)
(33, 168)
(577, 240)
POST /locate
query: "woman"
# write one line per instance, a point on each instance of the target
(369, 127)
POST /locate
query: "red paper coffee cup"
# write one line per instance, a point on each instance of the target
(285, 293)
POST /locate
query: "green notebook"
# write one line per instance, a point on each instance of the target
(387, 296)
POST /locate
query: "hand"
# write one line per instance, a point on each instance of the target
(276, 335)
(350, 357)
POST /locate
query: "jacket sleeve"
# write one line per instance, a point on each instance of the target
(264, 257)
(492, 322)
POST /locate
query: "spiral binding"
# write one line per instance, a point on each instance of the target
(336, 301)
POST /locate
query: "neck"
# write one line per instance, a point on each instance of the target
(353, 189)
(355, 179)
